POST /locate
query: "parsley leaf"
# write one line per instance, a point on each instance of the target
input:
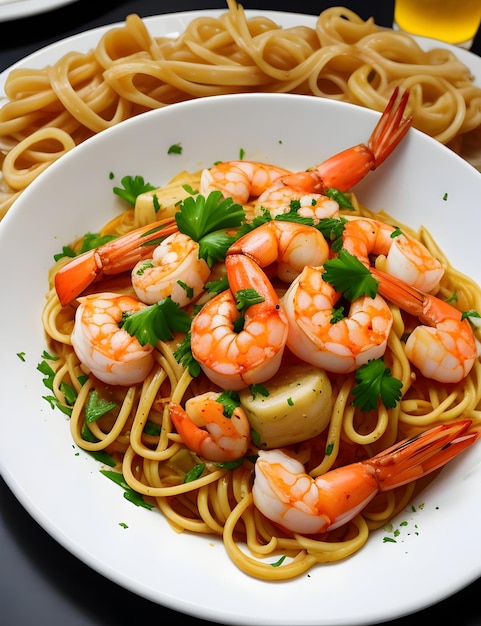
(374, 381)
(183, 355)
(132, 187)
(349, 276)
(200, 216)
(156, 322)
(97, 406)
(230, 401)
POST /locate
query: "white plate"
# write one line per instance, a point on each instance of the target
(14, 9)
(61, 486)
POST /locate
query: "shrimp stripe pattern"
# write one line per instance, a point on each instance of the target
(246, 426)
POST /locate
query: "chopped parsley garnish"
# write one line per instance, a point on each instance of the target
(207, 221)
(175, 148)
(194, 473)
(129, 494)
(350, 277)
(97, 406)
(133, 186)
(156, 322)
(246, 298)
(374, 380)
(230, 401)
(341, 198)
(183, 355)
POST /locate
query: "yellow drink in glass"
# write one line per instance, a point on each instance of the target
(452, 21)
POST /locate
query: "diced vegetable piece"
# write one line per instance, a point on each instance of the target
(163, 202)
(297, 407)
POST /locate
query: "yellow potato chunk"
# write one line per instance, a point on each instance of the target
(163, 202)
(298, 406)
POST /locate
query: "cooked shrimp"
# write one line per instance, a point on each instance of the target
(240, 180)
(289, 497)
(206, 430)
(406, 258)
(279, 199)
(443, 347)
(236, 359)
(345, 169)
(110, 353)
(174, 270)
(119, 255)
(291, 246)
(243, 180)
(317, 338)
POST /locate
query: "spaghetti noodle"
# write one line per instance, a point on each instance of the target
(137, 431)
(130, 71)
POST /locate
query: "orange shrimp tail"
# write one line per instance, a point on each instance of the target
(115, 257)
(72, 279)
(426, 307)
(391, 128)
(347, 168)
(190, 433)
(422, 454)
(400, 293)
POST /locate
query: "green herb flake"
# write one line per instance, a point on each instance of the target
(129, 494)
(175, 148)
(259, 390)
(194, 473)
(279, 562)
(21, 356)
(97, 406)
(246, 298)
(341, 198)
(183, 355)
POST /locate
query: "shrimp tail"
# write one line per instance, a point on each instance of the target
(345, 169)
(115, 257)
(391, 128)
(186, 428)
(422, 454)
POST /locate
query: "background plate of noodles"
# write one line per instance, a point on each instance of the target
(72, 89)
(435, 552)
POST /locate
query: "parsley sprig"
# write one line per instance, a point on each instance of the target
(156, 322)
(350, 277)
(132, 187)
(374, 380)
(207, 221)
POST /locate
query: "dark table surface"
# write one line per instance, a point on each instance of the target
(41, 583)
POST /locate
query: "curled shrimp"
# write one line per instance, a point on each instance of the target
(174, 270)
(206, 430)
(316, 337)
(105, 349)
(293, 499)
(291, 246)
(280, 199)
(443, 346)
(119, 255)
(406, 258)
(240, 180)
(232, 358)
(243, 180)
